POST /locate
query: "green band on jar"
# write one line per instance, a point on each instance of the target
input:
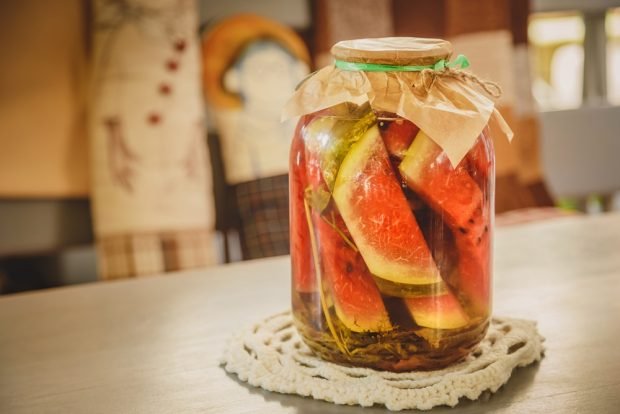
(461, 62)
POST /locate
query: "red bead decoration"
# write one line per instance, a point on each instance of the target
(180, 45)
(165, 89)
(172, 65)
(154, 118)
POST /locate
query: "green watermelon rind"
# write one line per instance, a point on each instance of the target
(332, 138)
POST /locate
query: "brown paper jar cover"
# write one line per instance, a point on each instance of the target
(451, 110)
(393, 50)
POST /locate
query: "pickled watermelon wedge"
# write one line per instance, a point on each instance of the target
(450, 191)
(457, 197)
(302, 268)
(356, 298)
(478, 161)
(377, 215)
(474, 270)
(331, 137)
(437, 312)
(397, 135)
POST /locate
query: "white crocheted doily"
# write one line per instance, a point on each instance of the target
(272, 356)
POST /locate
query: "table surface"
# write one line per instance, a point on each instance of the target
(152, 345)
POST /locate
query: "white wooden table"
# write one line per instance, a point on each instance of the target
(152, 345)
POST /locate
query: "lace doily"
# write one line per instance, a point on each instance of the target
(272, 356)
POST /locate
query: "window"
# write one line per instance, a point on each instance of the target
(612, 28)
(556, 41)
(575, 57)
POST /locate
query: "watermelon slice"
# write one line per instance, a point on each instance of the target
(478, 161)
(376, 212)
(356, 298)
(331, 137)
(397, 135)
(457, 197)
(346, 282)
(450, 191)
(437, 312)
(474, 271)
(304, 277)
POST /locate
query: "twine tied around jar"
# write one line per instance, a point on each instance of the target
(443, 67)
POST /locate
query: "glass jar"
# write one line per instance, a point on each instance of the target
(390, 242)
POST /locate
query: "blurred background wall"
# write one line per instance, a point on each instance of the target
(558, 60)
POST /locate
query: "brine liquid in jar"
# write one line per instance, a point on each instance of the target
(390, 243)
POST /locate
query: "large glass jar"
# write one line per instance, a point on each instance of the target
(390, 242)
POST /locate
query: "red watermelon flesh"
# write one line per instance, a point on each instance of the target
(448, 190)
(457, 197)
(377, 214)
(397, 135)
(478, 161)
(304, 277)
(356, 298)
(474, 271)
